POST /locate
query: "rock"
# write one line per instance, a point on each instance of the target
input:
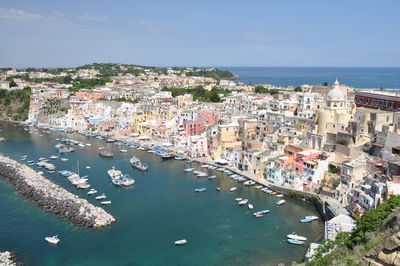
(397, 260)
(48, 195)
(387, 258)
(369, 262)
(392, 242)
(6, 259)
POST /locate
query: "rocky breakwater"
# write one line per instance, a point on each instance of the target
(52, 197)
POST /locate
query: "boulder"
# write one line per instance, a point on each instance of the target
(387, 258)
(392, 242)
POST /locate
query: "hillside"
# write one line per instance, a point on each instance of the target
(14, 105)
(376, 241)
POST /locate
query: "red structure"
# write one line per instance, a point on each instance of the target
(193, 127)
(384, 101)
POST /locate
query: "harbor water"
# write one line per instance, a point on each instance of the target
(160, 208)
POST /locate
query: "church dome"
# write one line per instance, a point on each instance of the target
(335, 93)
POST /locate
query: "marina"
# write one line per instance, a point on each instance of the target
(164, 193)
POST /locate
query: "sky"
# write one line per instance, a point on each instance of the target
(200, 33)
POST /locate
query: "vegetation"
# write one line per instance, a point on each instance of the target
(298, 89)
(79, 83)
(15, 104)
(333, 169)
(214, 73)
(325, 84)
(199, 93)
(13, 84)
(262, 89)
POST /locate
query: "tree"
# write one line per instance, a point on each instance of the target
(67, 79)
(13, 84)
(325, 84)
(298, 89)
(260, 89)
(214, 97)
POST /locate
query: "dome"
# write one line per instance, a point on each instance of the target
(336, 94)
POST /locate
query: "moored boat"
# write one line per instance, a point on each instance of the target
(119, 179)
(218, 188)
(92, 191)
(135, 162)
(296, 242)
(102, 196)
(104, 153)
(296, 237)
(107, 202)
(250, 206)
(52, 239)
(188, 169)
(280, 202)
(180, 242)
(232, 189)
(202, 189)
(243, 202)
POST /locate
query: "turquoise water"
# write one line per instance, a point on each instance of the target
(159, 209)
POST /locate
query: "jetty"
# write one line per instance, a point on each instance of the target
(52, 197)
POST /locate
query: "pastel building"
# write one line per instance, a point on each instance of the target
(197, 146)
(210, 118)
(193, 127)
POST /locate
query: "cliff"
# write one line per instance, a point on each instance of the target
(14, 105)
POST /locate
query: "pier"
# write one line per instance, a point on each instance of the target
(52, 197)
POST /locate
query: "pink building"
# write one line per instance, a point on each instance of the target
(210, 118)
(89, 95)
(193, 127)
(197, 146)
(301, 157)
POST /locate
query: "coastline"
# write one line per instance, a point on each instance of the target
(52, 197)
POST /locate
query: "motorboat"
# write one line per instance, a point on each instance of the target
(63, 148)
(180, 242)
(279, 196)
(119, 179)
(102, 196)
(308, 219)
(202, 174)
(52, 239)
(107, 202)
(296, 237)
(212, 177)
(53, 157)
(188, 169)
(200, 189)
(258, 187)
(135, 162)
(239, 199)
(232, 189)
(88, 167)
(218, 188)
(64, 159)
(65, 173)
(280, 202)
(249, 183)
(189, 161)
(179, 158)
(205, 166)
(250, 206)
(243, 202)
(124, 151)
(296, 242)
(83, 185)
(92, 191)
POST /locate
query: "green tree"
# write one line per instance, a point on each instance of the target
(298, 89)
(214, 97)
(13, 84)
(325, 84)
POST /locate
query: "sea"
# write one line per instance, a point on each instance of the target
(159, 209)
(356, 77)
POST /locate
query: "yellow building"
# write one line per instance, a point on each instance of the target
(228, 138)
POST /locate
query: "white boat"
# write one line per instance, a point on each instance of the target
(296, 237)
(281, 202)
(64, 159)
(218, 188)
(53, 157)
(249, 183)
(238, 199)
(279, 196)
(88, 144)
(243, 202)
(258, 187)
(205, 166)
(107, 202)
(102, 196)
(212, 177)
(311, 217)
(232, 189)
(180, 242)
(52, 239)
(92, 191)
(83, 185)
(250, 206)
(123, 151)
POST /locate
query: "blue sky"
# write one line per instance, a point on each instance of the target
(200, 33)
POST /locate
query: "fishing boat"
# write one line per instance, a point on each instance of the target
(119, 179)
(232, 189)
(296, 237)
(52, 239)
(107, 202)
(296, 242)
(243, 202)
(202, 189)
(281, 202)
(135, 162)
(102, 196)
(104, 153)
(180, 242)
(188, 169)
(92, 191)
(250, 206)
(63, 148)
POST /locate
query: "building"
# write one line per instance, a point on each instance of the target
(378, 100)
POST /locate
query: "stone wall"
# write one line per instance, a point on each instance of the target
(52, 197)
